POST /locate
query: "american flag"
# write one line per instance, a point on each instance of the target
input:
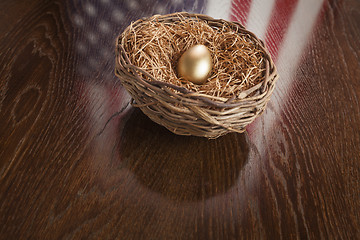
(286, 26)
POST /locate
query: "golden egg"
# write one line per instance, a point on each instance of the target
(195, 64)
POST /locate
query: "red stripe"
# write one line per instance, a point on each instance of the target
(240, 10)
(279, 22)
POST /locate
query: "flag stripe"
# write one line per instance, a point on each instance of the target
(259, 16)
(240, 11)
(219, 9)
(279, 22)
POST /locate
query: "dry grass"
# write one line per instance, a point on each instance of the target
(156, 47)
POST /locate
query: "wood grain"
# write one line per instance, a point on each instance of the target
(78, 162)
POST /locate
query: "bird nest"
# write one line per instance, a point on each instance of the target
(236, 91)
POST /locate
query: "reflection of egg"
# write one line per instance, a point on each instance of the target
(195, 64)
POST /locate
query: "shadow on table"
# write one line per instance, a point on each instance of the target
(179, 167)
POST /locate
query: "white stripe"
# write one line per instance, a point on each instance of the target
(259, 16)
(219, 9)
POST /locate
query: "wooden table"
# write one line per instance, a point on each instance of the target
(78, 162)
